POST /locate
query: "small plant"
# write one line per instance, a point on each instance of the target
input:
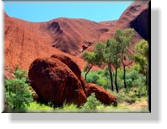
(17, 92)
(69, 107)
(20, 73)
(91, 103)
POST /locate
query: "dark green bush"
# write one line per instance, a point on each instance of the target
(104, 82)
(92, 77)
(17, 92)
(133, 78)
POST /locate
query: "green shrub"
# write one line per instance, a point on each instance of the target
(104, 82)
(142, 91)
(92, 77)
(20, 73)
(131, 95)
(133, 78)
(99, 77)
(17, 92)
(91, 103)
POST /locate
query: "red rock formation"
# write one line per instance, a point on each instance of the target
(109, 23)
(8, 73)
(135, 16)
(69, 34)
(132, 12)
(54, 81)
(70, 63)
(58, 79)
(140, 24)
(101, 94)
(73, 66)
(26, 41)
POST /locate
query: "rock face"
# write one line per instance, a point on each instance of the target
(26, 41)
(101, 94)
(58, 79)
(54, 81)
(68, 35)
(135, 16)
(68, 61)
(132, 12)
(140, 24)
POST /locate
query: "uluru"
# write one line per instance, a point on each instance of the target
(49, 58)
(64, 35)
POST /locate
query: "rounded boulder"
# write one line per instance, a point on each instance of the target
(101, 94)
(55, 82)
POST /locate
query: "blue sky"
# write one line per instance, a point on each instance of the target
(38, 12)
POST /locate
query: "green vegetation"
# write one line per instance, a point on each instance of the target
(21, 100)
(91, 103)
(125, 72)
(122, 73)
(17, 92)
(141, 56)
(93, 58)
(111, 53)
(133, 78)
(135, 82)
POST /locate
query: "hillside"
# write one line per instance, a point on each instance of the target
(26, 41)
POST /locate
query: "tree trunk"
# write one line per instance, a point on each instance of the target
(111, 77)
(88, 71)
(116, 85)
(125, 76)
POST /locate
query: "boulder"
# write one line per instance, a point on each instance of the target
(101, 94)
(58, 79)
(73, 66)
(83, 83)
(55, 82)
(70, 63)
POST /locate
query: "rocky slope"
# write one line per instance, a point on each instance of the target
(135, 16)
(72, 35)
(26, 41)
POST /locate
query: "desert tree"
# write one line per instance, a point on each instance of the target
(93, 58)
(141, 56)
(126, 61)
(124, 40)
(108, 59)
(116, 56)
(112, 60)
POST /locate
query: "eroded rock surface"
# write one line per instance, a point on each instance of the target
(101, 94)
(58, 79)
(26, 41)
(54, 81)
(70, 63)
